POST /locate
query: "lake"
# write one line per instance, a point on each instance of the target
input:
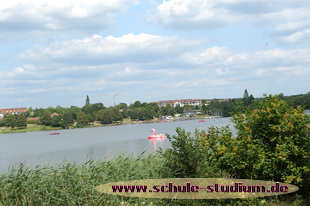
(80, 145)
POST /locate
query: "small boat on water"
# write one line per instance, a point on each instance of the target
(202, 120)
(54, 133)
(156, 136)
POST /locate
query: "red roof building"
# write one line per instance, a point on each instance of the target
(13, 111)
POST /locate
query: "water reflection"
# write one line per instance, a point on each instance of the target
(157, 142)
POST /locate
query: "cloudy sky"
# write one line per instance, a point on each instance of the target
(57, 52)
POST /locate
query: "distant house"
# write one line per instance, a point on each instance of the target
(12, 111)
(55, 114)
(34, 119)
(307, 111)
(192, 113)
(183, 102)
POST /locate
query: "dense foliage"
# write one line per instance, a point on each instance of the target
(272, 143)
(13, 120)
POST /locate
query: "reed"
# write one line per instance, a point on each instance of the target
(73, 184)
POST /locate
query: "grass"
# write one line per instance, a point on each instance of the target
(32, 128)
(40, 127)
(74, 184)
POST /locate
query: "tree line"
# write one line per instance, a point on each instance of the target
(82, 116)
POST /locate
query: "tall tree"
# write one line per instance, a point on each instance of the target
(246, 98)
(246, 94)
(87, 101)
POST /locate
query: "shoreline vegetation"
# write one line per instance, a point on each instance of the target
(271, 143)
(91, 115)
(40, 127)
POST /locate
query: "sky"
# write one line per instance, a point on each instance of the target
(58, 52)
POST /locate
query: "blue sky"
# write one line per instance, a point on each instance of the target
(57, 52)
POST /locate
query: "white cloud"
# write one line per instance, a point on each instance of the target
(190, 14)
(98, 50)
(299, 36)
(40, 15)
(132, 56)
(288, 19)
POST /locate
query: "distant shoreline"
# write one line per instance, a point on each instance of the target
(38, 128)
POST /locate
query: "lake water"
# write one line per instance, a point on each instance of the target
(80, 145)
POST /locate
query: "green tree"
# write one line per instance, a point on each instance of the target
(10, 120)
(91, 117)
(272, 143)
(122, 106)
(68, 118)
(74, 111)
(96, 107)
(56, 121)
(38, 112)
(46, 119)
(136, 104)
(203, 107)
(168, 110)
(87, 102)
(251, 99)
(21, 121)
(105, 116)
(246, 98)
(82, 119)
(154, 107)
(179, 109)
(118, 116)
(145, 113)
(184, 159)
(133, 113)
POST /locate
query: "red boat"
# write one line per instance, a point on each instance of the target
(156, 136)
(54, 133)
(202, 120)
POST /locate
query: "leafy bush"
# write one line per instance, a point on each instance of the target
(185, 158)
(272, 143)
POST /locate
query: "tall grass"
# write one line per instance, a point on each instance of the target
(73, 184)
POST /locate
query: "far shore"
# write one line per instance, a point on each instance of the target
(38, 127)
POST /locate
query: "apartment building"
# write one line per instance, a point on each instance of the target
(12, 111)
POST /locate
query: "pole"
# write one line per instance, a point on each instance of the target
(114, 95)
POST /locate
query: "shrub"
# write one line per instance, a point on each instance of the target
(272, 143)
(185, 158)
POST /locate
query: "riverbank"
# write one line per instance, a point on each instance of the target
(39, 127)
